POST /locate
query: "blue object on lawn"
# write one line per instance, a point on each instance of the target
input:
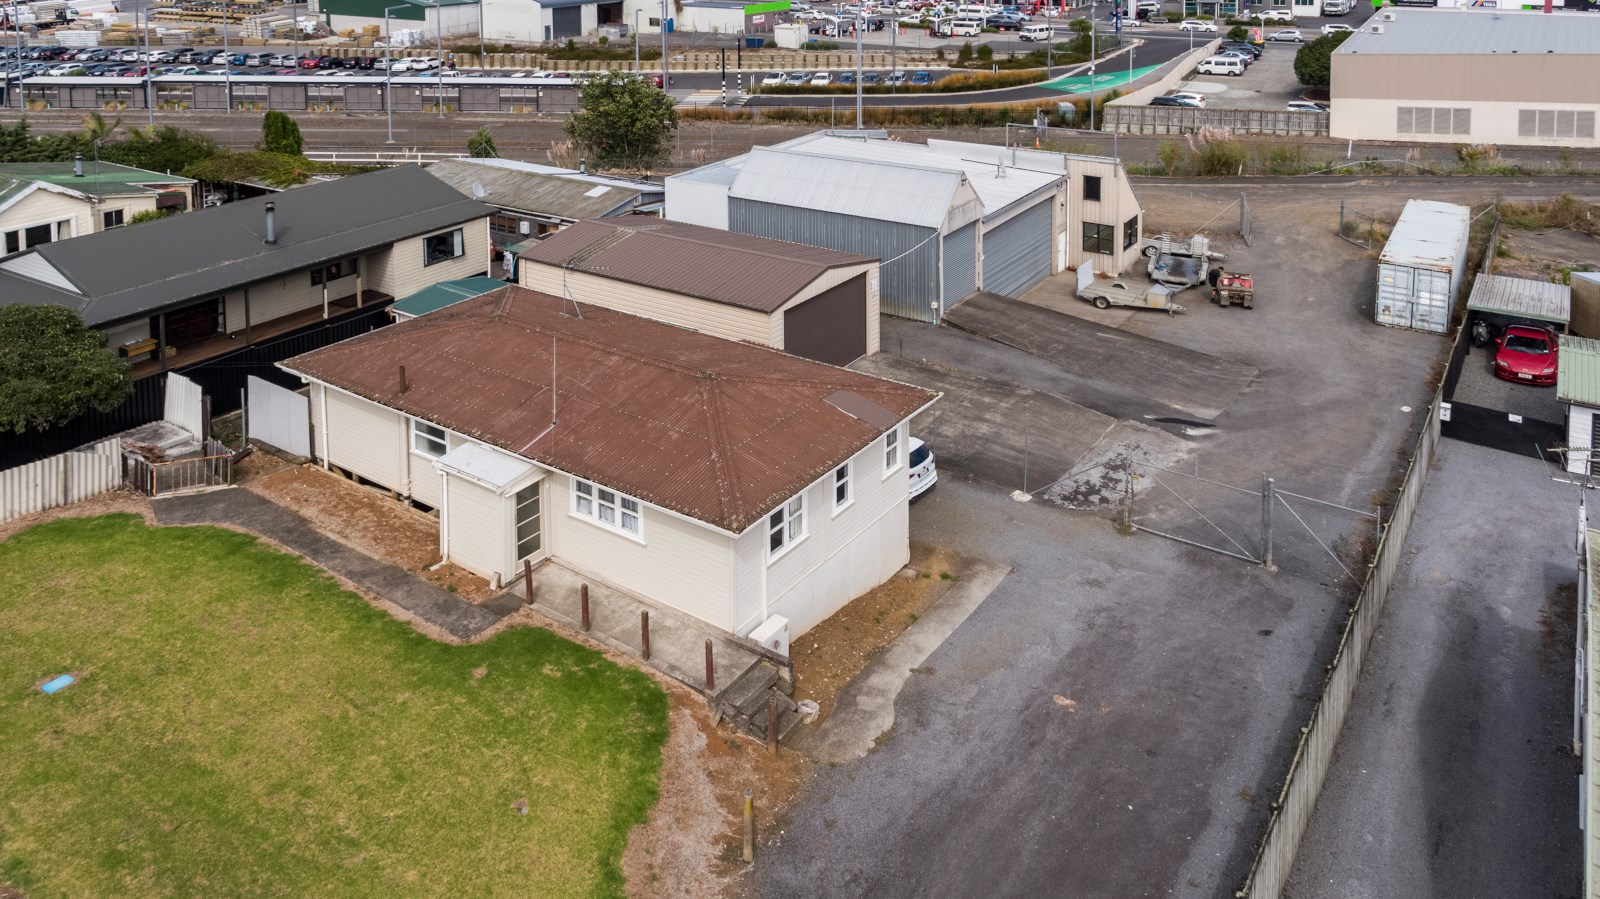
(59, 684)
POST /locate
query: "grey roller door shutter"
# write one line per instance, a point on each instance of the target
(567, 21)
(1016, 254)
(830, 327)
(960, 264)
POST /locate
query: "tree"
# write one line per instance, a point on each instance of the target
(1313, 64)
(52, 368)
(280, 134)
(1238, 33)
(480, 145)
(624, 121)
(96, 128)
(1081, 26)
(164, 148)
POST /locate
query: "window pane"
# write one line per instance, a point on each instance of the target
(775, 540)
(630, 522)
(608, 514)
(586, 506)
(585, 488)
(630, 505)
(606, 496)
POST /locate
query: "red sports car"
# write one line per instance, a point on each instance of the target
(1527, 355)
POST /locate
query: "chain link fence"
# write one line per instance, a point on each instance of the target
(1362, 227)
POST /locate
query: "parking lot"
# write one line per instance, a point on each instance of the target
(1113, 720)
(1269, 83)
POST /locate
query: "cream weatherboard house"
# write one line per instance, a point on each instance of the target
(729, 481)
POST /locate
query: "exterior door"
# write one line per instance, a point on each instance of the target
(527, 529)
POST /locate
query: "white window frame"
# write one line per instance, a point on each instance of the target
(848, 482)
(606, 508)
(417, 436)
(795, 507)
(892, 452)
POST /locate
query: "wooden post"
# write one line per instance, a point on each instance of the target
(749, 830)
(583, 597)
(527, 578)
(644, 630)
(205, 420)
(772, 723)
(711, 670)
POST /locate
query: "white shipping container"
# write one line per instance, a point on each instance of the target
(1420, 271)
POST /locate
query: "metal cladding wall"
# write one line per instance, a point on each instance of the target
(908, 287)
(1016, 254)
(960, 264)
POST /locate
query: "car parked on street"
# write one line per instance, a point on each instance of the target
(1526, 354)
(772, 79)
(820, 79)
(1275, 15)
(1336, 28)
(797, 78)
(924, 469)
(921, 78)
(1288, 34)
(1197, 25)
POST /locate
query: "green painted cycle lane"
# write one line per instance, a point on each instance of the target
(1079, 84)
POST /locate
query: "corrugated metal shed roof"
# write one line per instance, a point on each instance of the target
(128, 272)
(724, 172)
(644, 187)
(863, 188)
(1485, 31)
(99, 178)
(1428, 235)
(1525, 297)
(445, 293)
(555, 196)
(718, 431)
(722, 266)
(998, 186)
(1578, 374)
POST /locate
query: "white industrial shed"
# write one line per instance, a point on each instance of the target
(946, 218)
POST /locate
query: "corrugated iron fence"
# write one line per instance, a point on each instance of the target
(60, 480)
(1177, 120)
(1291, 812)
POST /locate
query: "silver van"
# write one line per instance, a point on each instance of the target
(1035, 31)
(258, 59)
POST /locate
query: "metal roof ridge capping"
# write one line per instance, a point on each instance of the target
(715, 430)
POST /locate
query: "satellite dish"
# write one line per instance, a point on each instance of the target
(477, 190)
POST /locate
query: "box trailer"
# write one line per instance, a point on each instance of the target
(1420, 271)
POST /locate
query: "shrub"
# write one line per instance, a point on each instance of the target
(1236, 33)
(964, 55)
(1172, 156)
(1220, 159)
(985, 53)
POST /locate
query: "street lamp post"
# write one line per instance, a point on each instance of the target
(438, 21)
(388, 69)
(860, 27)
(15, 84)
(636, 69)
(666, 82)
(227, 59)
(1094, 55)
(149, 72)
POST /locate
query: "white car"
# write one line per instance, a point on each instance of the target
(1190, 96)
(1306, 106)
(821, 78)
(1288, 34)
(1336, 29)
(924, 472)
(1150, 6)
(424, 63)
(796, 78)
(1196, 25)
(63, 69)
(773, 78)
(1276, 15)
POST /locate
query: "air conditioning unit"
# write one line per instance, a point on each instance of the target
(1388, 16)
(525, 227)
(1376, 29)
(773, 634)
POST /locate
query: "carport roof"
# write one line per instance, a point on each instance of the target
(445, 293)
(1521, 297)
(1578, 371)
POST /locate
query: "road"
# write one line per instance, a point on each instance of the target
(1454, 775)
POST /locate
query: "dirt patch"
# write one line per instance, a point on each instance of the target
(7, 891)
(369, 521)
(830, 655)
(1547, 256)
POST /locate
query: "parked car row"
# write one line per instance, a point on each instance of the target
(819, 79)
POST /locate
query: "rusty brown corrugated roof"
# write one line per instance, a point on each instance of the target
(737, 269)
(719, 431)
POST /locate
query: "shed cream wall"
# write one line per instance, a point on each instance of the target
(281, 296)
(830, 279)
(44, 206)
(705, 316)
(399, 271)
(365, 438)
(1116, 205)
(842, 556)
(1492, 123)
(680, 564)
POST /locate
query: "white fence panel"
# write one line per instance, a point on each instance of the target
(184, 403)
(60, 480)
(278, 417)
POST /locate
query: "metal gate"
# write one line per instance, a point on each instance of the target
(960, 264)
(278, 417)
(1016, 254)
(1269, 526)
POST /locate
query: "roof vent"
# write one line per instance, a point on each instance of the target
(272, 224)
(1376, 29)
(1389, 16)
(77, 166)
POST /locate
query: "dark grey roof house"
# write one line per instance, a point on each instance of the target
(196, 285)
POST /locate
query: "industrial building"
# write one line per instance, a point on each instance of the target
(1469, 76)
(947, 218)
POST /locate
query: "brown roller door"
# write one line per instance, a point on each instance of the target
(830, 327)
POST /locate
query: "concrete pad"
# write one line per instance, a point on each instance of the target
(1196, 383)
(986, 428)
(865, 708)
(1479, 387)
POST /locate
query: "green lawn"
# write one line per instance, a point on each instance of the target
(244, 727)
